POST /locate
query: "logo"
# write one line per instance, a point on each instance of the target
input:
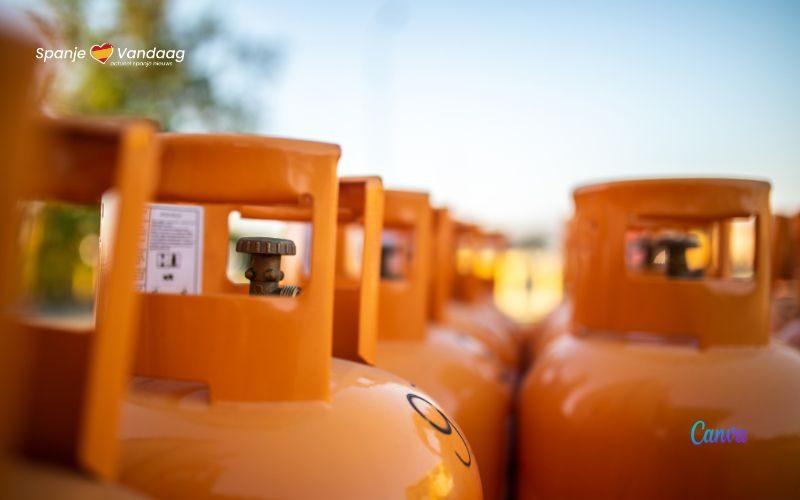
(101, 53)
(439, 421)
(121, 56)
(151, 57)
(701, 435)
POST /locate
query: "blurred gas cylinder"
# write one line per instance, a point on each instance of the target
(668, 385)
(472, 255)
(477, 321)
(19, 105)
(493, 453)
(492, 246)
(64, 377)
(458, 371)
(237, 394)
(556, 323)
(783, 298)
(789, 331)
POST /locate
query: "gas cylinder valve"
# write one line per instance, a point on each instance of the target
(388, 253)
(676, 246)
(264, 271)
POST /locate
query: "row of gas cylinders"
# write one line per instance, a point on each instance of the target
(332, 386)
(656, 378)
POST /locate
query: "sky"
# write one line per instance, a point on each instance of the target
(500, 108)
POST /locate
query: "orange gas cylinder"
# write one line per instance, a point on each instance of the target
(790, 331)
(668, 385)
(460, 247)
(492, 248)
(783, 299)
(18, 105)
(237, 394)
(457, 370)
(65, 375)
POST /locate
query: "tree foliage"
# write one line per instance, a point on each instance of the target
(200, 93)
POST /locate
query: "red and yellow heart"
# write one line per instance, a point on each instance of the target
(102, 52)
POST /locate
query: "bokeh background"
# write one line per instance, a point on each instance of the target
(498, 108)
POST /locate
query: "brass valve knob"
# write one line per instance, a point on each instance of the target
(264, 271)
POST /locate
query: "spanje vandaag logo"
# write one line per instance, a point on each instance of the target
(102, 53)
(120, 56)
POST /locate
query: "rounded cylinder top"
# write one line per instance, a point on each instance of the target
(702, 196)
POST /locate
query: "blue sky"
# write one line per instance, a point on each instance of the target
(500, 108)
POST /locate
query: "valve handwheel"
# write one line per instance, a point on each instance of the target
(264, 271)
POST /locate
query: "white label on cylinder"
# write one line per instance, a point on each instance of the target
(172, 250)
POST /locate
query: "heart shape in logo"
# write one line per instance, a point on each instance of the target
(101, 53)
